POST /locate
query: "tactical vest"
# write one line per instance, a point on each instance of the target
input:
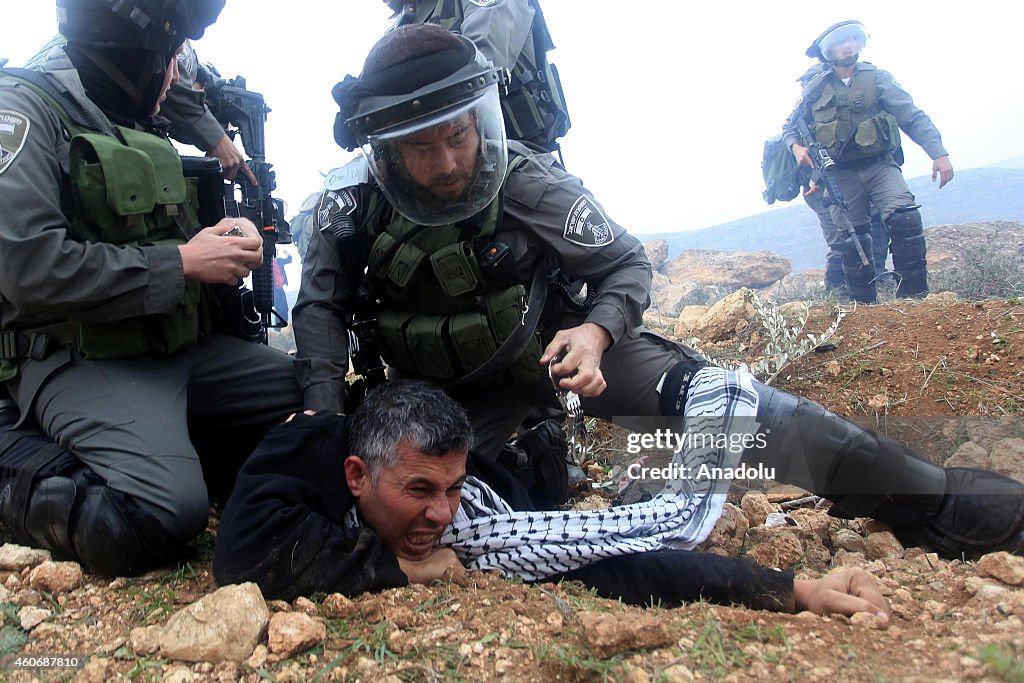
(129, 192)
(441, 316)
(848, 121)
(534, 107)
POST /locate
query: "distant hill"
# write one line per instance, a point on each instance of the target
(1015, 162)
(975, 195)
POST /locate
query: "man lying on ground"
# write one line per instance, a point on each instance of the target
(382, 498)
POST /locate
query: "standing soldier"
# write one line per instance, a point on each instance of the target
(513, 35)
(856, 111)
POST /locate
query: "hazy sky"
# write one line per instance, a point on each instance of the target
(670, 102)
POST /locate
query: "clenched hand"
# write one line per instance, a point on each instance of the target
(215, 258)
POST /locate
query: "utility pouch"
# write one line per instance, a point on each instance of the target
(472, 339)
(391, 332)
(115, 186)
(505, 311)
(404, 264)
(456, 269)
(125, 192)
(425, 338)
(380, 247)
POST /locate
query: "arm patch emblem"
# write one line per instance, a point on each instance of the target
(14, 128)
(586, 225)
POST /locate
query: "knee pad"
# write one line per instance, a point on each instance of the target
(113, 536)
(909, 251)
(51, 499)
(675, 384)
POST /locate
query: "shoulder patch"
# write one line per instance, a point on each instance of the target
(334, 212)
(586, 225)
(13, 133)
(355, 172)
(483, 3)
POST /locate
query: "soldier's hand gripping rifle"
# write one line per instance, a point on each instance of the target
(243, 112)
(823, 163)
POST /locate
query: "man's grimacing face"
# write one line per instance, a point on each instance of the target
(413, 501)
(442, 159)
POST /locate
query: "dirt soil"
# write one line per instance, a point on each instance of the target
(897, 366)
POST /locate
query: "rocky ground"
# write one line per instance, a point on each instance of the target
(942, 374)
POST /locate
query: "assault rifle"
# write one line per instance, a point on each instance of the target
(243, 112)
(823, 162)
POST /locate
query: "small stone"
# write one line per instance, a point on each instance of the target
(845, 558)
(337, 606)
(609, 634)
(30, 617)
(258, 658)
(756, 507)
(780, 550)
(293, 632)
(883, 545)
(983, 588)
(849, 540)
(224, 625)
(56, 577)
(145, 640)
(94, 671)
(677, 673)
(17, 557)
(868, 620)
(178, 674)
(303, 604)
(278, 606)
(1003, 566)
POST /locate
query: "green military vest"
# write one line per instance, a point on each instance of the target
(441, 316)
(848, 121)
(130, 192)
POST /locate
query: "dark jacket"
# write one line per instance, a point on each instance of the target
(283, 528)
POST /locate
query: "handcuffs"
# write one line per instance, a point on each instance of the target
(572, 406)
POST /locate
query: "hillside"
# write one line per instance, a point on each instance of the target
(975, 195)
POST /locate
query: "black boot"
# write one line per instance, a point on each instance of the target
(869, 475)
(860, 278)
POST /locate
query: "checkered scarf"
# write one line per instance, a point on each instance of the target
(487, 534)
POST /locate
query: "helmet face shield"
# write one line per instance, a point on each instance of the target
(444, 166)
(843, 42)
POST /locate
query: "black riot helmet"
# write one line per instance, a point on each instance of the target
(122, 48)
(426, 113)
(157, 26)
(835, 35)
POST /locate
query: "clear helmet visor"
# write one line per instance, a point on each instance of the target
(843, 42)
(443, 167)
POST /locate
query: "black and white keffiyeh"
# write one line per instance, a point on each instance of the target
(487, 534)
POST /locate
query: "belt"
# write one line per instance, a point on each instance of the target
(860, 163)
(37, 343)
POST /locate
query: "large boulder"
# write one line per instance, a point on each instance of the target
(730, 269)
(727, 317)
(806, 285)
